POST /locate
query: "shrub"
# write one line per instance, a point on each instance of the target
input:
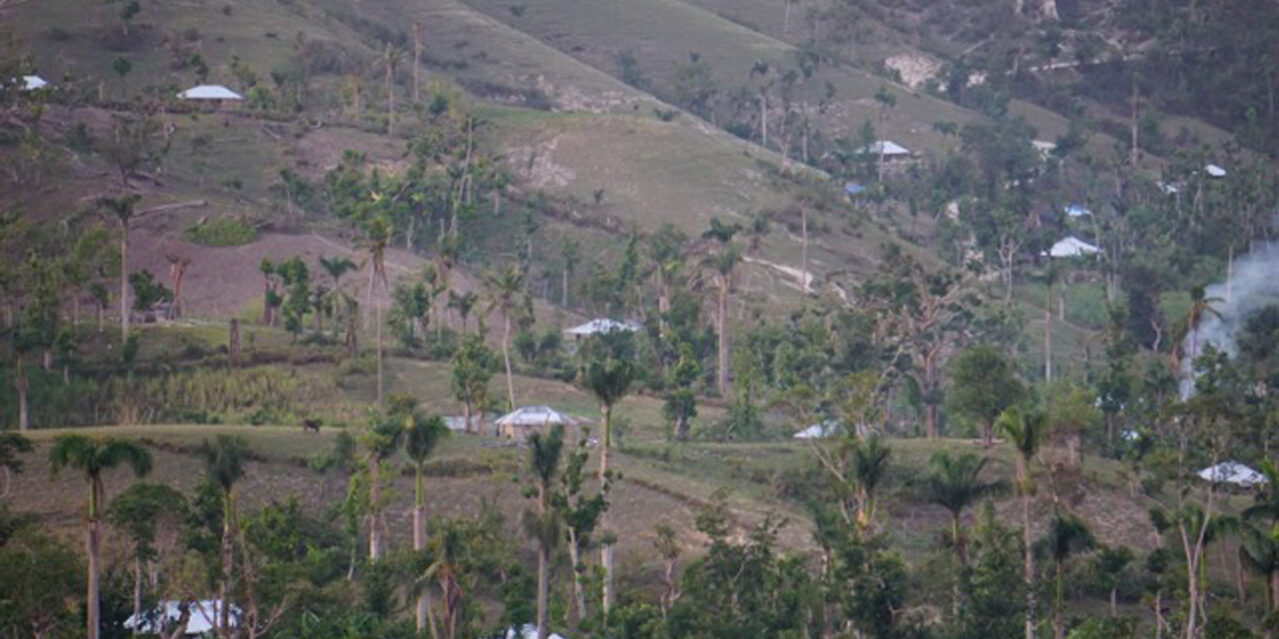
(223, 231)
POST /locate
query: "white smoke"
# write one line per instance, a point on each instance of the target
(1253, 283)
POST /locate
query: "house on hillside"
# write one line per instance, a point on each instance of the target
(889, 151)
(213, 95)
(1233, 473)
(1072, 247)
(1077, 210)
(526, 420)
(34, 83)
(202, 618)
(601, 326)
(1215, 171)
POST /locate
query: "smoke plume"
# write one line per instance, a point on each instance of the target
(1253, 284)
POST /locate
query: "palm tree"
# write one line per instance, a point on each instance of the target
(390, 58)
(1050, 278)
(224, 461)
(122, 209)
(723, 264)
(1110, 565)
(336, 267)
(1026, 432)
(93, 457)
(421, 437)
(953, 484)
(1200, 306)
(542, 524)
(870, 465)
(609, 378)
(1066, 536)
(503, 286)
(11, 444)
(571, 254)
(462, 304)
(448, 546)
(377, 236)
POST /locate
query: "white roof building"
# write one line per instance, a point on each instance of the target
(210, 92)
(203, 617)
(1072, 247)
(1043, 146)
(602, 325)
(1215, 171)
(822, 430)
(1232, 473)
(527, 631)
(885, 147)
(1077, 210)
(33, 82)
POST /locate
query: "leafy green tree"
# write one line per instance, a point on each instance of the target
(680, 406)
(1259, 535)
(296, 278)
(147, 292)
(37, 573)
(93, 457)
(982, 385)
(1067, 535)
(542, 522)
(472, 367)
(11, 446)
(1025, 431)
(580, 511)
(1111, 566)
(380, 438)
(420, 439)
(137, 512)
(992, 607)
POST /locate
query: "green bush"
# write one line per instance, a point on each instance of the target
(223, 231)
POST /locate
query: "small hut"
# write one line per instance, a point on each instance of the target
(526, 420)
(1233, 473)
(600, 326)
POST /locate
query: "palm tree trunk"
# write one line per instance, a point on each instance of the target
(375, 496)
(23, 384)
(543, 587)
(1048, 334)
(137, 586)
(1059, 630)
(424, 620)
(378, 315)
(1028, 542)
(93, 607)
(124, 284)
(721, 368)
(579, 593)
(506, 357)
(606, 549)
(224, 611)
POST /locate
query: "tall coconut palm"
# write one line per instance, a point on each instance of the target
(421, 437)
(609, 378)
(390, 58)
(541, 523)
(723, 266)
(504, 286)
(953, 482)
(224, 461)
(1025, 431)
(869, 465)
(377, 236)
(122, 209)
(93, 457)
(1200, 306)
(1066, 536)
(1110, 564)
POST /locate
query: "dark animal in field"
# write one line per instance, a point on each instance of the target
(312, 425)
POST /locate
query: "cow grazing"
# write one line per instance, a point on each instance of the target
(312, 425)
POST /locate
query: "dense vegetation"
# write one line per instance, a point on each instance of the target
(887, 302)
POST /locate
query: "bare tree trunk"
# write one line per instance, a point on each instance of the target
(506, 357)
(24, 385)
(579, 594)
(124, 284)
(93, 612)
(803, 223)
(721, 368)
(1029, 550)
(137, 587)
(543, 586)
(378, 313)
(417, 56)
(375, 496)
(606, 549)
(1048, 331)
